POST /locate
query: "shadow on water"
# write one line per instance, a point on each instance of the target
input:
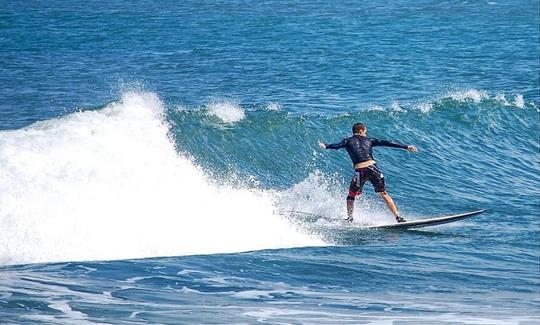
(359, 236)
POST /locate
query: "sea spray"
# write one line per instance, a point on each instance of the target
(323, 195)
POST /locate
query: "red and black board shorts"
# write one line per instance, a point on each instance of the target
(361, 176)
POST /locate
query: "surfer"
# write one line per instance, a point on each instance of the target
(359, 147)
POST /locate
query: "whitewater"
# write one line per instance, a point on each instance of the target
(109, 184)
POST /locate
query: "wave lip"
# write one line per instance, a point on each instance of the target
(478, 96)
(454, 98)
(474, 96)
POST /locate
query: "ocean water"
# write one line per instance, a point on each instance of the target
(157, 160)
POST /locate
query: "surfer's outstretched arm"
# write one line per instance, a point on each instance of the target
(385, 143)
(338, 145)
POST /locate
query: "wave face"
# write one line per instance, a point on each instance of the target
(479, 144)
(109, 184)
(133, 179)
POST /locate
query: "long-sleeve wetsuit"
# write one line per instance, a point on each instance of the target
(360, 147)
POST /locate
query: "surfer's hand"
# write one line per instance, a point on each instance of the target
(322, 145)
(412, 149)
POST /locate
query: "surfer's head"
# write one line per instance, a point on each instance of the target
(359, 128)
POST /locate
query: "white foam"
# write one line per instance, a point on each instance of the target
(227, 112)
(467, 95)
(474, 95)
(479, 95)
(255, 294)
(375, 108)
(519, 101)
(424, 107)
(396, 107)
(501, 98)
(273, 106)
(324, 195)
(316, 194)
(109, 184)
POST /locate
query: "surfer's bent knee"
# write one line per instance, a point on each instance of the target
(352, 195)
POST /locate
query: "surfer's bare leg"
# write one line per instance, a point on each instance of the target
(391, 205)
(355, 189)
(350, 209)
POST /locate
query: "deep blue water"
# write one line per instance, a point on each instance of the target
(152, 153)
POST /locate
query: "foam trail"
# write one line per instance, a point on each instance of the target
(109, 184)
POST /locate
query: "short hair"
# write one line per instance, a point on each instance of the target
(358, 127)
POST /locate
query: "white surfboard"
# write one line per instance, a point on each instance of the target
(428, 222)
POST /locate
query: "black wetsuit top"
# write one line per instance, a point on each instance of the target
(360, 147)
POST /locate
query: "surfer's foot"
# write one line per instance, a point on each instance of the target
(400, 219)
(349, 219)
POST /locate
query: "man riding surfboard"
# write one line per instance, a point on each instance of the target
(359, 147)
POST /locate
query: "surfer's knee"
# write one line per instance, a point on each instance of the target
(383, 194)
(352, 195)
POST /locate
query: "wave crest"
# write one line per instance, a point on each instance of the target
(227, 112)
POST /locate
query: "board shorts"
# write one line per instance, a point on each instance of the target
(361, 176)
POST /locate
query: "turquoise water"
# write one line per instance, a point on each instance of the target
(155, 159)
